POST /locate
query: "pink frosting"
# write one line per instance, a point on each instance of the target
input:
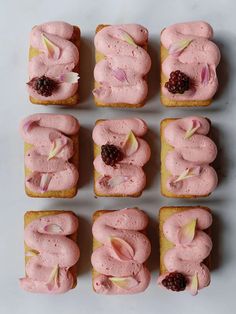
(187, 258)
(121, 73)
(55, 249)
(130, 168)
(42, 131)
(199, 55)
(59, 33)
(194, 153)
(124, 224)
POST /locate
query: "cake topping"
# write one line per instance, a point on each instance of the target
(175, 281)
(127, 176)
(121, 74)
(48, 271)
(178, 82)
(111, 154)
(188, 163)
(124, 250)
(47, 161)
(192, 52)
(43, 85)
(51, 68)
(187, 256)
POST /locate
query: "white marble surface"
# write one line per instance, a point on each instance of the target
(16, 20)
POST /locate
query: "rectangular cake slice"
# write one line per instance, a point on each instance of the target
(54, 64)
(186, 155)
(188, 60)
(185, 246)
(115, 243)
(122, 64)
(119, 155)
(51, 251)
(51, 152)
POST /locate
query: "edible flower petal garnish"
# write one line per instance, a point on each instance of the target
(119, 74)
(53, 228)
(28, 124)
(122, 249)
(52, 50)
(195, 126)
(124, 282)
(177, 47)
(57, 146)
(53, 278)
(205, 74)
(194, 285)
(184, 175)
(44, 182)
(127, 38)
(70, 77)
(117, 180)
(187, 233)
(131, 144)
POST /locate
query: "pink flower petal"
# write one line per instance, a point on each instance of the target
(28, 124)
(205, 74)
(119, 74)
(44, 182)
(70, 77)
(57, 145)
(130, 145)
(117, 180)
(53, 228)
(186, 234)
(52, 50)
(124, 282)
(177, 47)
(122, 249)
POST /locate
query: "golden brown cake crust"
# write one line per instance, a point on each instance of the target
(56, 194)
(73, 100)
(165, 245)
(97, 151)
(176, 103)
(98, 57)
(165, 174)
(33, 215)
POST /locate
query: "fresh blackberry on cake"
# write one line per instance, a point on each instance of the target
(178, 82)
(111, 154)
(43, 85)
(175, 281)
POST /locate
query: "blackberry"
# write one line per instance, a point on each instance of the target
(178, 82)
(43, 85)
(175, 281)
(111, 154)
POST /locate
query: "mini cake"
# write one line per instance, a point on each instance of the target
(186, 152)
(185, 247)
(120, 153)
(120, 250)
(51, 155)
(188, 65)
(122, 64)
(51, 251)
(54, 64)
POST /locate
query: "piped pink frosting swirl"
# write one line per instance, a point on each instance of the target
(188, 258)
(194, 154)
(45, 132)
(126, 225)
(129, 177)
(48, 236)
(59, 34)
(121, 73)
(198, 60)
